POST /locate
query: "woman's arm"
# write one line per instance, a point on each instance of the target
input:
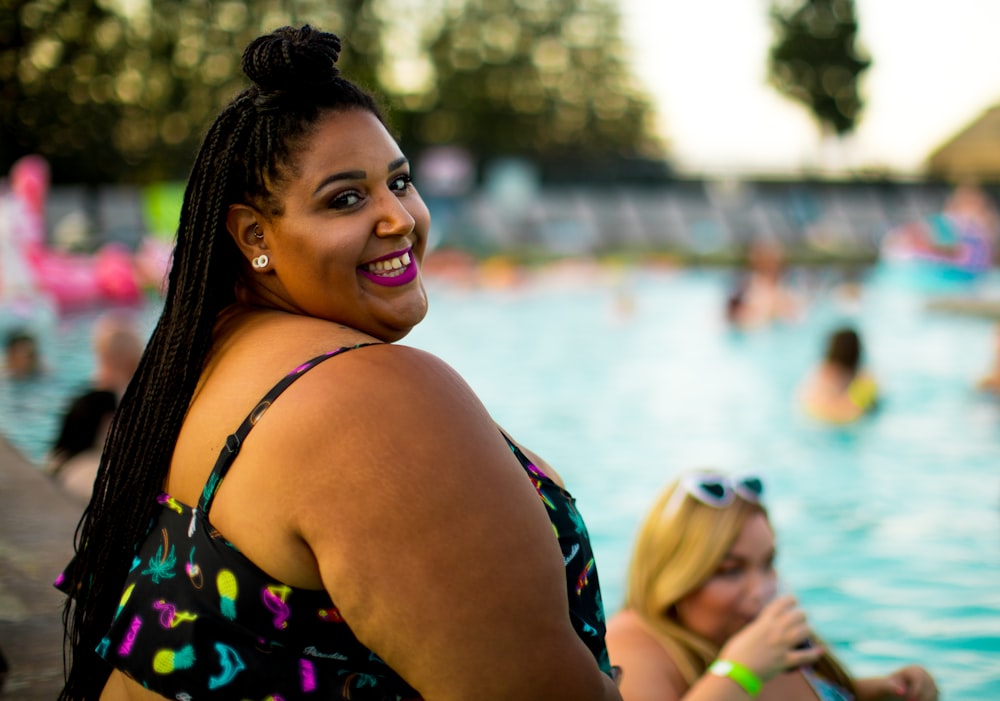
(913, 683)
(766, 648)
(649, 673)
(429, 536)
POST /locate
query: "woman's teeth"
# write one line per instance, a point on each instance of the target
(390, 267)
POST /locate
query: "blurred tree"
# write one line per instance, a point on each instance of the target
(122, 90)
(815, 59)
(57, 96)
(543, 79)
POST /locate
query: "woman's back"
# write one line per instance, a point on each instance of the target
(247, 538)
(252, 353)
(314, 499)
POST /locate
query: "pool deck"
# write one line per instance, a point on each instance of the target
(37, 522)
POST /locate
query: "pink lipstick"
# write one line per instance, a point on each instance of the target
(391, 271)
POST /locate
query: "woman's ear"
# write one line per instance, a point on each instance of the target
(243, 224)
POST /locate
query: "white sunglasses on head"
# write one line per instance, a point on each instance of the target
(717, 491)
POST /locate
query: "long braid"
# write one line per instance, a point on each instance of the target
(141, 439)
(240, 160)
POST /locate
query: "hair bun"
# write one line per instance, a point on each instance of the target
(290, 58)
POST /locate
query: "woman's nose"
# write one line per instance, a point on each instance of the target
(395, 219)
(763, 587)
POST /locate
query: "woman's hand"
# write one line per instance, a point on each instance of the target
(911, 683)
(768, 644)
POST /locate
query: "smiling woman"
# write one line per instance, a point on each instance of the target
(289, 504)
(349, 229)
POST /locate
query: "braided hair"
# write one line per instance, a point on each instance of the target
(243, 159)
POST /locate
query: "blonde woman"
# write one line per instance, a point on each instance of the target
(701, 620)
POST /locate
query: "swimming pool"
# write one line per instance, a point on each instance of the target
(30, 409)
(888, 530)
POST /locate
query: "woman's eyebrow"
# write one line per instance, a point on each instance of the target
(357, 174)
(346, 175)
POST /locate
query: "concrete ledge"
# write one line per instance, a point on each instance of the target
(37, 522)
(967, 306)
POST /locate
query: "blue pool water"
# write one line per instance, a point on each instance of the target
(888, 530)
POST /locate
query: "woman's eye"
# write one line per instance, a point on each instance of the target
(345, 200)
(400, 183)
(730, 572)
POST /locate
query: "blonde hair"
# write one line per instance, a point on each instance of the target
(679, 546)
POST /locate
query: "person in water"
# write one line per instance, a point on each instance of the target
(761, 296)
(703, 620)
(990, 381)
(291, 504)
(75, 455)
(22, 361)
(839, 390)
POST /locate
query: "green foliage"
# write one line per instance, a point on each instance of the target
(55, 93)
(122, 90)
(549, 80)
(108, 95)
(815, 60)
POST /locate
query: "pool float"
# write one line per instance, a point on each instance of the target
(943, 241)
(80, 281)
(955, 245)
(863, 392)
(32, 269)
(942, 250)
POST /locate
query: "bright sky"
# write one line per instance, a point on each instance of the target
(936, 67)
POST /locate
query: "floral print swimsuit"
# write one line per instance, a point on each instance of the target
(198, 620)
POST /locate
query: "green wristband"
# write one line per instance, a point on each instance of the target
(741, 674)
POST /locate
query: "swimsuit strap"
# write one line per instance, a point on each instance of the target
(234, 441)
(522, 458)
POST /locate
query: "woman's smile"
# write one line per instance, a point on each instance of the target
(391, 271)
(348, 243)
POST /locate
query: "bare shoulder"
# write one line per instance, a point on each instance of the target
(629, 634)
(380, 428)
(393, 411)
(398, 474)
(405, 362)
(648, 671)
(381, 381)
